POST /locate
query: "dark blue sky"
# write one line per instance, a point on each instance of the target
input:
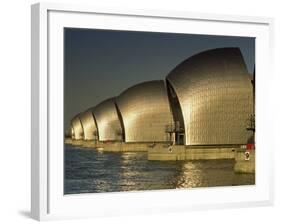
(102, 63)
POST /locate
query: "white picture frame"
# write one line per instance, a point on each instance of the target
(48, 201)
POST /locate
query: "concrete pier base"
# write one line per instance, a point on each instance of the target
(111, 146)
(122, 147)
(68, 141)
(167, 152)
(75, 142)
(181, 152)
(245, 161)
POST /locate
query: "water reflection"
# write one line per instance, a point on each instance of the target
(190, 176)
(128, 173)
(89, 171)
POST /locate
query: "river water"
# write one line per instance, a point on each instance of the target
(92, 171)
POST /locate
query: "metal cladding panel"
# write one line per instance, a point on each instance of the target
(77, 128)
(108, 123)
(72, 132)
(89, 125)
(145, 112)
(215, 94)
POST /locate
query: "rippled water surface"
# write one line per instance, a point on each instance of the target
(89, 171)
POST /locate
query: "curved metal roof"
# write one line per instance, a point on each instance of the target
(145, 112)
(72, 132)
(215, 95)
(89, 125)
(77, 128)
(108, 123)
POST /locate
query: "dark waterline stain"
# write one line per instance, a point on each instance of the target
(91, 171)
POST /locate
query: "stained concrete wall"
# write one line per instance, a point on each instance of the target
(179, 152)
(243, 165)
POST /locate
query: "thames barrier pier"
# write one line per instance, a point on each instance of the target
(200, 111)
